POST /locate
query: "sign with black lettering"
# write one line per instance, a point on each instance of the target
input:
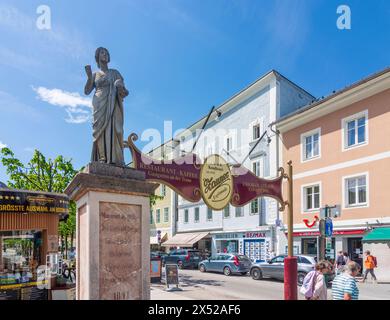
(171, 274)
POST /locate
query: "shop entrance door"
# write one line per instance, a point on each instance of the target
(355, 250)
(309, 246)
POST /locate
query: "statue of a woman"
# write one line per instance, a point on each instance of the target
(107, 110)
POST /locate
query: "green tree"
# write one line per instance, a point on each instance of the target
(41, 174)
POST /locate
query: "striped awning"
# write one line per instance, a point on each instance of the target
(185, 240)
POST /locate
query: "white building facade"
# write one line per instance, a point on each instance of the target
(252, 229)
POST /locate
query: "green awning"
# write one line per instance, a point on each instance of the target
(378, 234)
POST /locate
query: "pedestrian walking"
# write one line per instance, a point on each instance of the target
(369, 264)
(344, 286)
(314, 285)
(340, 262)
(346, 257)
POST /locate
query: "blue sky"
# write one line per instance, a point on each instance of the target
(178, 59)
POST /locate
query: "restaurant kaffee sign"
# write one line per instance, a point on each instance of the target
(215, 181)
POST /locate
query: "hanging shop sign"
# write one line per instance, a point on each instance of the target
(247, 187)
(181, 174)
(215, 180)
(17, 201)
(216, 183)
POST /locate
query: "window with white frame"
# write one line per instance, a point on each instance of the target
(256, 131)
(226, 212)
(196, 215)
(186, 216)
(239, 212)
(311, 197)
(311, 144)
(355, 129)
(254, 207)
(163, 190)
(356, 191)
(256, 168)
(166, 214)
(151, 217)
(158, 215)
(209, 214)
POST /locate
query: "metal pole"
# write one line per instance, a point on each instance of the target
(290, 262)
(204, 126)
(290, 210)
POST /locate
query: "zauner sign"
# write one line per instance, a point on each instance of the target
(216, 183)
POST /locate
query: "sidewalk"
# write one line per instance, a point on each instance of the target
(159, 293)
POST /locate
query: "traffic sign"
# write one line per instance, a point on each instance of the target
(328, 227)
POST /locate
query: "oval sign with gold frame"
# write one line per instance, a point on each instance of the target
(216, 182)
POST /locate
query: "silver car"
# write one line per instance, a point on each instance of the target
(227, 264)
(274, 268)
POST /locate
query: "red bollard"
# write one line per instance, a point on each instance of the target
(290, 278)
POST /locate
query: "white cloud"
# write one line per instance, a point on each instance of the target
(2, 145)
(77, 107)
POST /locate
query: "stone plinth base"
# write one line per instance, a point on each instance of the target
(112, 237)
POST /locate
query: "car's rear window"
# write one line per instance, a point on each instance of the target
(304, 260)
(242, 258)
(193, 253)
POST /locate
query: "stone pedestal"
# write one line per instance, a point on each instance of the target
(113, 250)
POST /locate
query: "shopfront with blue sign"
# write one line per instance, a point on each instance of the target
(255, 245)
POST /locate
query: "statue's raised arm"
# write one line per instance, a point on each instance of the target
(107, 105)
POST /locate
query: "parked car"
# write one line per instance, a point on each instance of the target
(157, 254)
(274, 268)
(227, 264)
(184, 258)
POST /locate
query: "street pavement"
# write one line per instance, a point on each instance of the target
(196, 285)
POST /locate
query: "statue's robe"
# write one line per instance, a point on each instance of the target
(107, 119)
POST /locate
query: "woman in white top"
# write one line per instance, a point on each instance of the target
(320, 289)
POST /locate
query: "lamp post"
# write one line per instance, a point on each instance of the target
(290, 262)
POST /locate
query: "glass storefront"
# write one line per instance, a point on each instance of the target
(21, 254)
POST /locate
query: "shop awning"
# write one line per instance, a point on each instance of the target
(378, 234)
(185, 239)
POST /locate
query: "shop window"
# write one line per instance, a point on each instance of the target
(20, 256)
